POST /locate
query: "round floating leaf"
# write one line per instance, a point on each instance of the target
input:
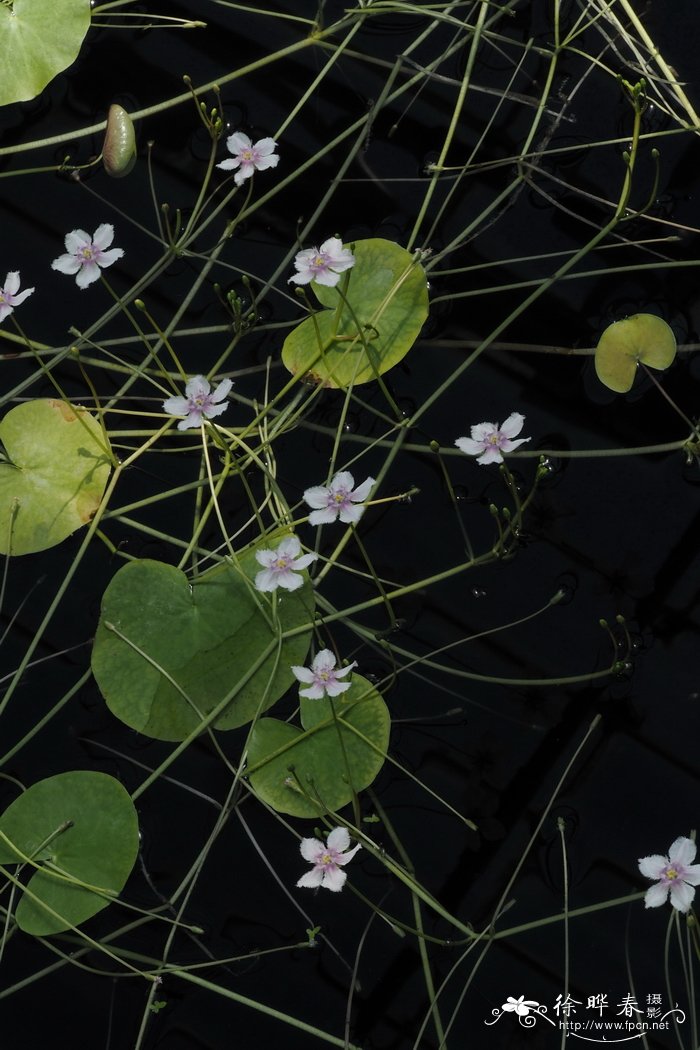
(388, 297)
(38, 39)
(53, 474)
(317, 769)
(77, 826)
(168, 652)
(623, 344)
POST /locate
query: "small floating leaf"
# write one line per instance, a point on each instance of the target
(53, 475)
(38, 39)
(119, 148)
(76, 826)
(623, 344)
(318, 769)
(166, 648)
(388, 303)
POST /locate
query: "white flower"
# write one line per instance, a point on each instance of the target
(322, 676)
(248, 157)
(488, 441)
(338, 500)
(280, 565)
(324, 264)
(675, 873)
(9, 298)
(198, 402)
(327, 860)
(85, 257)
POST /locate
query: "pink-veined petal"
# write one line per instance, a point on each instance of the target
(243, 173)
(349, 515)
(682, 851)
(265, 147)
(342, 671)
(266, 580)
(508, 445)
(345, 858)
(316, 497)
(301, 278)
(682, 896)
(311, 849)
(491, 455)
(304, 561)
(303, 674)
(691, 874)
(323, 517)
(334, 879)
(211, 411)
(19, 299)
(327, 278)
(324, 660)
(75, 240)
(265, 162)
(289, 547)
(656, 895)
(104, 235)
(289, 581)
(483, 431)
(66, 264)
(107, 258)
(342, 481)
(653, 867)
(237, 142)
(469, 445)
(193, 420)
(89, 273)
(314, 692)
(229, 164)
(312, 878)
(336, 688)
(266, 558)
(176, 406)
(5, 311)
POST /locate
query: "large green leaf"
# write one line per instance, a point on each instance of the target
(198, 639)
(53, 475)
(38, 39)
(388, 296)
(77, 826)
(623, 344)
(318, 769)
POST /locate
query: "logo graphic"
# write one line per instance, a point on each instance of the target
(630, 1022)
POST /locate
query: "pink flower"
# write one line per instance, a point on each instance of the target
(327, 860)
(248, 157)
(324, 264)
(675, 874)
(282, 566)
(85, 257)
(338, 500)
(9, 298)
(488, 442)
(322, 676)
(198, 402)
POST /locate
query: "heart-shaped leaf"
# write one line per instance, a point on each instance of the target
(53, 474)
(38, 39)
(78, 826)
(168, 652)
(623, 344)
(318, 769)
(388, 303)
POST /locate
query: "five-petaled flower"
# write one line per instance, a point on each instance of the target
(322, 677)
(85, 257)
(327, 860)
(9, 297)
(675, 873)
(282, 566)
(197, 402)
(248, 157)
(323, 265)
(338, 500)
(520, 1006)
(488, 441)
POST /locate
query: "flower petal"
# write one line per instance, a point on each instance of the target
(222, 390)
(653, 867)
(176, 406)
(314, 692)
(349, 515)
(345, 670)
(362, 491)
(483, 431)
(312, 878)
(323, 517)
(265, 147)
(75, 240)
(469, 446)
(290, 547)
(338, 838)
(11, 282)
(263, 163)
(324, 661)
(237, 142)
(66, 264)
(289, 581)
(303, 562)
(310, 849)
(491, 455)
(317, 496)
(194, 419)
(211, 411)
(333, 879)
(513, 425)
(682, 896)
(336, 688)
(327, 278)
(656, 895)
(303, 674)
(266, 580)
(104, 235)
(345, 858)
(107, 258)
(88, 273)
(682, 851)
